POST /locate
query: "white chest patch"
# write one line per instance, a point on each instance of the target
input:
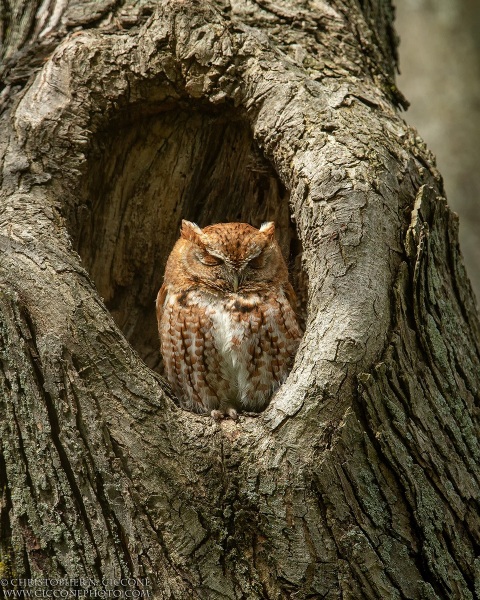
(233, 344)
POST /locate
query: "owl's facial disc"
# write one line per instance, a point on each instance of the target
(232, 257)
(220, 268)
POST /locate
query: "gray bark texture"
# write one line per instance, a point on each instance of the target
(361, 478)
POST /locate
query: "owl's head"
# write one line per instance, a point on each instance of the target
(232, 257)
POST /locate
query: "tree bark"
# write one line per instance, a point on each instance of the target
(361, 478)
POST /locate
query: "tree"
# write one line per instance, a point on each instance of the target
(361, 478)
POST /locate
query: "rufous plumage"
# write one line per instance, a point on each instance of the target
(226, 319)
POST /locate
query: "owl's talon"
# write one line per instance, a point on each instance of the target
(232, 413)
(229, 413)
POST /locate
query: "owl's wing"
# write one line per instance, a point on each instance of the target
(162, 294)
(291, 296)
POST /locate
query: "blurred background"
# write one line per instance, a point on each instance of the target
(440, 77)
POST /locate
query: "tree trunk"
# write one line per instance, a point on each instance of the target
(361, 478)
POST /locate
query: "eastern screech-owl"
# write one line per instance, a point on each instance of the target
(228, 331)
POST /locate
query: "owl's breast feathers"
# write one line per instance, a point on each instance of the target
(233, 350)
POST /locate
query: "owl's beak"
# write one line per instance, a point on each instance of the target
(235, 276)
(235, 281)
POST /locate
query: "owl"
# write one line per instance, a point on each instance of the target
(227, 326)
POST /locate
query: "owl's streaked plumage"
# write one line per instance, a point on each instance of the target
(228, 331)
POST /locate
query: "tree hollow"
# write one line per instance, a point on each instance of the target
(146, 174)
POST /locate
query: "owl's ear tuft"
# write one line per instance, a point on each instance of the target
(268, 229)
(191, 231)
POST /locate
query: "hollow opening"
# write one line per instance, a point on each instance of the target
(144, 176)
